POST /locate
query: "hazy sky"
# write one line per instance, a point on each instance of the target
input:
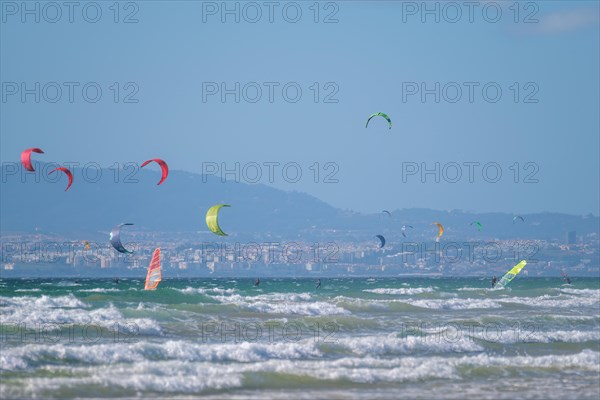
(357, 59)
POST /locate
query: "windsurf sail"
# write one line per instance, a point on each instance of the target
(510, 275)
(154, 275)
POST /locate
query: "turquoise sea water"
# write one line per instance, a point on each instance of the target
(351, 338)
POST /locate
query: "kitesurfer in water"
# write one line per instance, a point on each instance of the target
(116, 280)
(257, 282)
(494, 280)
(318, 284)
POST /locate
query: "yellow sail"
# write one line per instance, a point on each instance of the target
(154, 275)
(510, 275)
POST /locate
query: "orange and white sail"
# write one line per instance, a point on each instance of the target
(154, 275)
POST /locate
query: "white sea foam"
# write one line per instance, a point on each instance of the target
(284, 297)
(68, 310)
(571, 317)
(561, 301)
(62, 283)
(100, 290)
(283, 303)
(387, 345)
(174, 376)
(455, 304)
(584, 360)
(354, 303)
(589, 292)
(163, 377)
(43, 302)
(408, 291)
(120, 352)
(474, 289)
(207, 291)
(531, 334)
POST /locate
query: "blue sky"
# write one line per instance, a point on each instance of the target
(369, 57)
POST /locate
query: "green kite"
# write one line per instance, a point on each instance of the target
(212, 219)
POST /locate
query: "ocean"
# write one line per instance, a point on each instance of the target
(421, 338)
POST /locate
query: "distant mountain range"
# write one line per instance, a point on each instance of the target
(258, 211)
